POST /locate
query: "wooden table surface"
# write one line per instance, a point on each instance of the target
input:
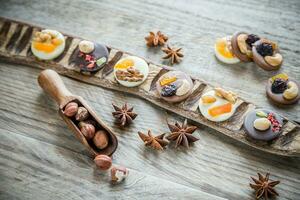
(41, 159)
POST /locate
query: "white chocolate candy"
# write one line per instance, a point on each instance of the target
(205, 107)
(132, 63)
(262, 124)
(86, 46)
(184, 88)
(223, 51)
(44, 55)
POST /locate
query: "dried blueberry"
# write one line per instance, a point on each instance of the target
(168, 90)
(279, 86)
(265, 49)
(251, 39)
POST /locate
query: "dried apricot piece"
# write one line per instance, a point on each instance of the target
(208, 99)
(219, 110)
(167, 80)
(126, 63)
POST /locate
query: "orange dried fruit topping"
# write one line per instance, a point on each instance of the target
(222, 48)
(219, 110)
(56, 41)
(208, 99)
(46, 47)
(167, 80)
(124, 64)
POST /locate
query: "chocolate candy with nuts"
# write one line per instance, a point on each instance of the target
(266, 55)
(283, 90)
(174, 86)
(131, 71)
(90, 57)
(242, 43)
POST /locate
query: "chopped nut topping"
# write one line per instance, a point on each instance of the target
(130, 74)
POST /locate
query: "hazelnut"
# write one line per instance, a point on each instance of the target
(86, 46)
(71, 109)
(261, 124)
(100, 139)
(82, 114)
(274, 60)
(87, 129)
(104, 162)
(292, 91)
(118, 174)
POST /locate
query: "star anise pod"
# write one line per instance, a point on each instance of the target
(124, 115)
(155, 39)
(182, 134)
(173, 54)
(156, 142)
(264, 187)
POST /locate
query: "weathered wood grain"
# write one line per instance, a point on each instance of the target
(215, 165)
(287, 144)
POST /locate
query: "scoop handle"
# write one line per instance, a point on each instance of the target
(52, 84)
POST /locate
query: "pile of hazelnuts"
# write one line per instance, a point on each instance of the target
(86, 125)
(99, 138)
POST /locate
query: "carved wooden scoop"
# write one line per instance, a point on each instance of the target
(52, 84)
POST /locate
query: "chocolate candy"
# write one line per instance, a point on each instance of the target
(236, 49)
(262, 51)
(91, 62)
(176, 87)
(278, 98)
(266, 135)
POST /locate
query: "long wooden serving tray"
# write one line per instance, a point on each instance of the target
(15, 41)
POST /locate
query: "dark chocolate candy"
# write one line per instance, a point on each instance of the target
(266, 135)
(278, 98)
(99, 54)
(236, 50)
(259, 59)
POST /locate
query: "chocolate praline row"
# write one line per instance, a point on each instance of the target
(247, 48)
